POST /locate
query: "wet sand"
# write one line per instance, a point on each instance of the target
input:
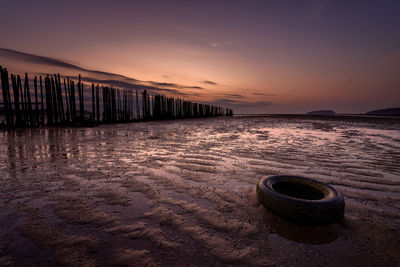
(183, 192)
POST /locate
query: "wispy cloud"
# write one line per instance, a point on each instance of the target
(208, 82)
(101, 77)
(36, 59)
(238, 103)
(263, 94)
(174, 85)
(233, 95)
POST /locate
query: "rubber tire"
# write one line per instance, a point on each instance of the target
(329, 209)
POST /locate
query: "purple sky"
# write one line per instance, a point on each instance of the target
(254, 56)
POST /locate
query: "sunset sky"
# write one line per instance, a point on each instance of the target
(253, 56)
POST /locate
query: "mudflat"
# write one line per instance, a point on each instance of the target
(183, 192)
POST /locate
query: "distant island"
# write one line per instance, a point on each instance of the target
(321, 112)
(385, 112)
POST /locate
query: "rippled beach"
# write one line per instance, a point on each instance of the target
(183, 192)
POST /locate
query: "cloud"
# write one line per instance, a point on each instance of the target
(125, 85)
(30, 58)
(162, 84)
(233, 95)
(263, 94)
(35, 59)
(237, 103)
(209, 82)
(174, 85)
(117, 83)
(97, 76)
(194, 87)
(226, 101)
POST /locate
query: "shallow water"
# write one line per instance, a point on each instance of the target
(183, 192)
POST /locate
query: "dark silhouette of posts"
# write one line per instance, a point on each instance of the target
(117, 105)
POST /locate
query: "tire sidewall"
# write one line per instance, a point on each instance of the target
(326, 210)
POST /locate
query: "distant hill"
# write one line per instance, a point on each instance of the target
(321, 112)
(385, 112)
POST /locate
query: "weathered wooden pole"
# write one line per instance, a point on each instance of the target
(113, 105)
(97, 104)
(53, 100)
(28, 93)
(10, 108)
(21, 98)
(137, 106)
(16, 101)
(144, 104)
(24, 104)
(42, 102)
(118, 105)
(93, 104)
(125, 104)
(60, 98)
(36, 103)
(72, 99)
(104, 103)
(48, 100)
(68, 106)
(4, 77)
(81, 99)
(148, 106)
(56, 106)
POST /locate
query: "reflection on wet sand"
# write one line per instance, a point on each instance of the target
(179, 192)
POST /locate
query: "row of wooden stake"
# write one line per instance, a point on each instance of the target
(49, 104)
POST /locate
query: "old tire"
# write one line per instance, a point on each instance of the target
(301, 199)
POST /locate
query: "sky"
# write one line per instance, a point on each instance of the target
(253, 56)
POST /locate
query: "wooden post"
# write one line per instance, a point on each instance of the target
(93, 104)
(54, 101)
(72, 99)
(16, 101)
(48, 100)
(144, 104)
(81, 99)
(137, 106)
(118, 117)
(60, 98)
(36, 103)
(28, 94)
(41, 96)
(97, 104)
(21, 97)
(68, 106)
(5, 98)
